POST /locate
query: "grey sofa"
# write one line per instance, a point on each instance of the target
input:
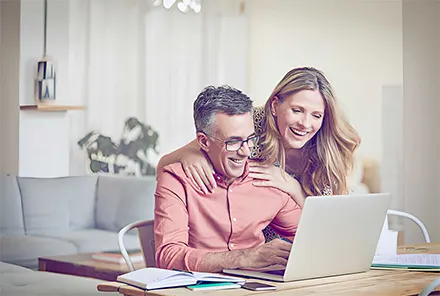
(19, 281)
(61, 216)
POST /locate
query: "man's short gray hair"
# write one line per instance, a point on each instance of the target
(222, 99)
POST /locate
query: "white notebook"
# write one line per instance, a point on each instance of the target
(410, 261)
(156, 278)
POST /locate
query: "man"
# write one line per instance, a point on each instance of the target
(223, 229)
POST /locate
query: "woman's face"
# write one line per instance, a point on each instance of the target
(299, 117)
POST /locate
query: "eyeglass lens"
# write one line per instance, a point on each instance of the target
(235, 145)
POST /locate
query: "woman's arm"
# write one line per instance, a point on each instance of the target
(195, 164)
(272, 176)
(176, 155)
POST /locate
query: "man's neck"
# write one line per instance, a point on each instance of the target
(223, 180)
(227, 181)
(230, 181)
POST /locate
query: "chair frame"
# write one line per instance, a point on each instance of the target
(140, 225)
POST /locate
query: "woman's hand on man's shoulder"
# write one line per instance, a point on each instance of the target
(274, 176)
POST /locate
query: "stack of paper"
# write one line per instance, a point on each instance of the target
(429, 262)
(387, 244)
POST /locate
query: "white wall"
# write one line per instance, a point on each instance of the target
(1, 96)
(421, 139)
(9, 87)
(357, 43)
(44, 136)
(31, 46)
(391, 166)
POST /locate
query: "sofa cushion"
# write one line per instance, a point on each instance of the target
(122, 200)
(12, 268)
(11, 212)
(25, 250)
(55, 205)
(82, 203)
(96, 240)
(39, 283)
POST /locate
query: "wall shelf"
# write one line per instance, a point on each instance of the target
(51, 107)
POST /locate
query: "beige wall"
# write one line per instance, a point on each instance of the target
(357, 43)
(9, 71)
(1, 96)
(421, 138)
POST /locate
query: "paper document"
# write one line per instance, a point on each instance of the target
(408, 260)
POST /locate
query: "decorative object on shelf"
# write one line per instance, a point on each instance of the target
(130, 157)
(45, 84)
(46, 80)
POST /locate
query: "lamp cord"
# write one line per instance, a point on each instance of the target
(45, 28)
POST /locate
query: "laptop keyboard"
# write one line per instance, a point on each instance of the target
(276, 272)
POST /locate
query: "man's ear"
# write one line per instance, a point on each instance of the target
(203, 142)
(273, 105)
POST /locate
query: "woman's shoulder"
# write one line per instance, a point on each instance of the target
(327, 190)
(258, 112)
(258, 119)
(258, 125)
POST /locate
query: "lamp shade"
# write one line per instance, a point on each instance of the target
(46, 81)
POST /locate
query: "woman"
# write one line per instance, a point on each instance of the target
(303, 137)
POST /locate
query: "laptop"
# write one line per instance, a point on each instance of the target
(336, 235)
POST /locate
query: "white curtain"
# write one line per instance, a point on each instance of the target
(106, 76)
(128, 58)
(174, 67)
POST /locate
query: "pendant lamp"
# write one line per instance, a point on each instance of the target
(46, 78)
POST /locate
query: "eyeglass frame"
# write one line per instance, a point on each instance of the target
(256, 137)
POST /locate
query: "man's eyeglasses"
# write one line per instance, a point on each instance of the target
(234, 145)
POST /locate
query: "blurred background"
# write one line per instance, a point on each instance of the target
(148, 60)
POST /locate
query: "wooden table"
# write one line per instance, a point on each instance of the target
(83, 265)
(374, 282)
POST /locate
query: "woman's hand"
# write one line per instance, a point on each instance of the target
(198, 168)
(272, 176)
(194, 163)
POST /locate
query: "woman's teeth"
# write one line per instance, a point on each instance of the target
(298, 132)
(238, 160)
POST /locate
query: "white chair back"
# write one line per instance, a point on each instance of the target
(146, 238)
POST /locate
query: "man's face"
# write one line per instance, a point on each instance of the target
(230, 164)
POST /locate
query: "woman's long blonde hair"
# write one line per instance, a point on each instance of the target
(329, 153)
